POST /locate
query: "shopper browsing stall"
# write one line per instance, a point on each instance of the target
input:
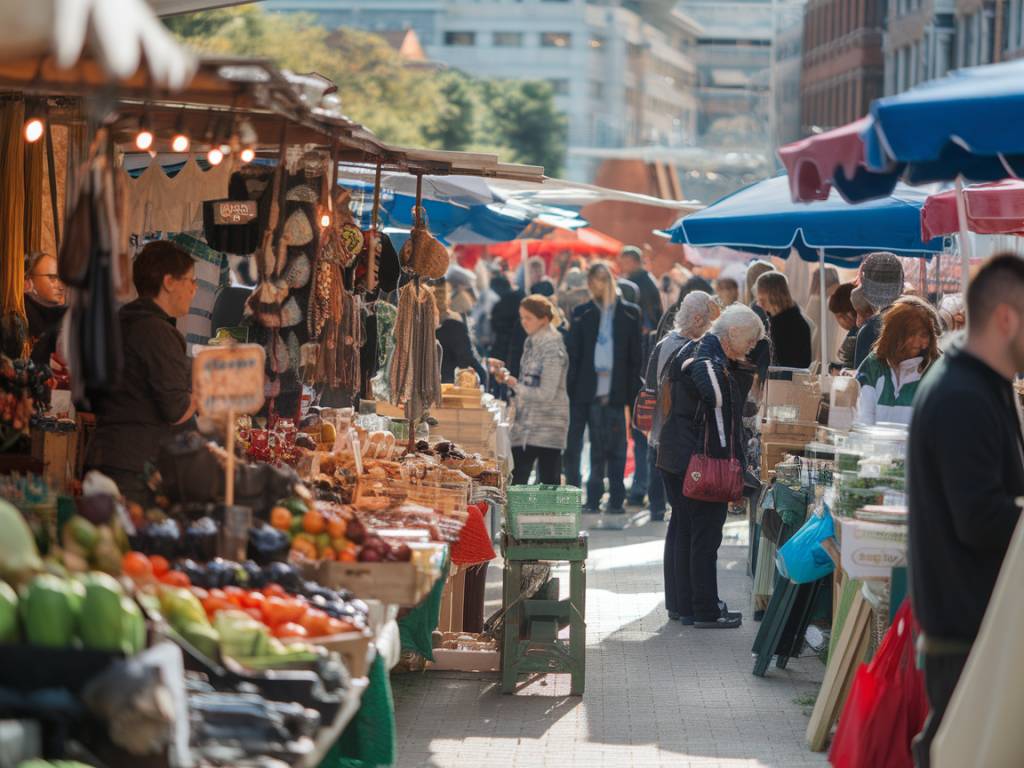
(881, 283)
(709, 389)
(541, 400)
(965, 473)
(906, 348)
(154, 395)
(605, 363)
(842, 309)
(692, 321)
(789, 330)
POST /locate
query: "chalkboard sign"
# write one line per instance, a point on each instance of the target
(229, 379)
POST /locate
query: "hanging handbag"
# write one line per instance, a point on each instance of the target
(712, 479)
(643, 409)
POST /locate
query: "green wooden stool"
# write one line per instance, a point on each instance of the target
(531, 643)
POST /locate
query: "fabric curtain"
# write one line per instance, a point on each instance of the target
(13, 325)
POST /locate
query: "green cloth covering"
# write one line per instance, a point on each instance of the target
(371, 738)
(791, 505)
(417, 626)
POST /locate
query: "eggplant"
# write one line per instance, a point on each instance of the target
(201, 540)
(285, 575)
(196, 573)
(220, 573)
(267, 545)
(257, 579)
(163, 539)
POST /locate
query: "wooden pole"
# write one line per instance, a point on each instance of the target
(229, 479)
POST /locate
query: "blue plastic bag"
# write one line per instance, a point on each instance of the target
(802, 559)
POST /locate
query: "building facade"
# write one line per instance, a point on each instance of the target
(843, 63)
(787, 66)
(622, 79)
(733, 60)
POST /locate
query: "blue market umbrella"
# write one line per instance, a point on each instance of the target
(762, 219)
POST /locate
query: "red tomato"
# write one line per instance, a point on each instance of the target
(160, 565)
(137, 566)
(236, 595)
(220, 594)
(217, 602)
(290, 629)
(253, 599)
(274, 590)
(282, 610)
(176, 579)
(315, 622)
(338, 626)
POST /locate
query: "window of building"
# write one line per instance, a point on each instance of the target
(508, 39)
(560, 86)
(555, 40)
(460, 38)
(596, 89)
(597, 41)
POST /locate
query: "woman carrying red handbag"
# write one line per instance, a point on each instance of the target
(702, 447)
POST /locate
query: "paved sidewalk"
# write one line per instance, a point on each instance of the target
(658, 693)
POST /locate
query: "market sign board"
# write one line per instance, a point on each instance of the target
(234, 211)
(229, 380)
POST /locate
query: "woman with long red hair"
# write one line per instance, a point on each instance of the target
(906, 348)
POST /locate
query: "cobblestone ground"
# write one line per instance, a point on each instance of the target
(657, 693)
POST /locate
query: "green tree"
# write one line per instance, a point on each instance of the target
(400, 105)
(456, 127)
(524, 118)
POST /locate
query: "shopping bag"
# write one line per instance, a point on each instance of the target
(886, 707)
(802, 559)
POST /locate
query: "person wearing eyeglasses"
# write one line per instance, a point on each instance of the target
(154, 397)
(44, 307)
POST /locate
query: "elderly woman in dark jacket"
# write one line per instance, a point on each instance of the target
(710, 383)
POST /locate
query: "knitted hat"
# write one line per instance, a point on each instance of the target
(881, 277)
(860, 304)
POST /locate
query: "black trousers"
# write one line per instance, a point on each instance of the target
(691, 553)
(941, 674)
(548, 460)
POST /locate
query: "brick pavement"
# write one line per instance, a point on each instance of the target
(658, 694)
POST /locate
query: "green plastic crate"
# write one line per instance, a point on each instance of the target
(544, 511)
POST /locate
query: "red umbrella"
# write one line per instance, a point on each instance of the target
(586, 241)
(814, 161)
(992, 209)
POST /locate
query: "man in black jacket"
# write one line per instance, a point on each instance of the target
(965, 473)
(605, 361)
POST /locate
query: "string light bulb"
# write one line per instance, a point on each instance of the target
(215, 156)
(34, 126)
(181, 142)
(325, 220)
(247, 155)
(144, 138)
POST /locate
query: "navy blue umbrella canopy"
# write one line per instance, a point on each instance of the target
(967, 124)
(762, 219)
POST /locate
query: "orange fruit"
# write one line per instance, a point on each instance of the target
(336, 527)
(281, 518)
(328, 554)
(313, 522)
(160, 565)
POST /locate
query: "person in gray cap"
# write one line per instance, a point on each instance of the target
(881, 281)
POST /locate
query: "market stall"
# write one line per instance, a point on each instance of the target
(290, 550)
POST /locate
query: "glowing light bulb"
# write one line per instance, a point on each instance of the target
(325, 220)
(180, 143)
(215, 156)
(33, 130)
(248, 155)
(144, 139)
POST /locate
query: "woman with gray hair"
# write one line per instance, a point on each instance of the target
(692, 320)
(710, 382)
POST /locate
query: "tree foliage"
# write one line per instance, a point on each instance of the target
(412, 107)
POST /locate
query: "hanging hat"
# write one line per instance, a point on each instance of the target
(303, 194)
(298, 230)
(881, 277)
(297, 273)
(423, 254)
(291, 315)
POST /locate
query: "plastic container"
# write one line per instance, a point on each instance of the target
(544, 512)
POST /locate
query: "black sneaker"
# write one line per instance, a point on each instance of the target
(719, 623)
(673, 616)
(726, 613)
(686, 621)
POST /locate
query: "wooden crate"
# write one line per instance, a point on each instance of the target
(453, 601)
(58, 452)
(353, 647)
(485, 658)
(775, 451)
(398, 583)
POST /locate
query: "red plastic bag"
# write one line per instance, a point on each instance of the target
(887, 706)
(474, 544)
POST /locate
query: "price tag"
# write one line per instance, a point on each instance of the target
(229, 379)
(234, 211)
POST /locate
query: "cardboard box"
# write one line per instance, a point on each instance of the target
(843, 402)
(871, 550)
(353, 647)
(775, 451)
(798, 393)
(789, 431)
(480, 654)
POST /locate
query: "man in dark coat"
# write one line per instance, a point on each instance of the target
(509, 336)
(965, 477)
